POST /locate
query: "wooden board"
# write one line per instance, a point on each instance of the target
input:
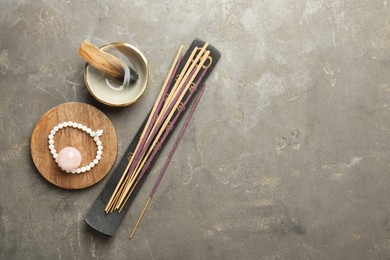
(88, 116)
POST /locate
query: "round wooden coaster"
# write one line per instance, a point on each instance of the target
(88, 116)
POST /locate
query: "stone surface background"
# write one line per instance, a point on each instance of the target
(287, 156)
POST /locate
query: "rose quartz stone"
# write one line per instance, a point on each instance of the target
(69, 159)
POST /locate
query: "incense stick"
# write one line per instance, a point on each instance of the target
(128, 172)
(139, 167)
(171, 153)
(153, 114)
(173, 122)
(187, 70)
(174, 67)
(181, 81)
(176, 100)
(164, 125)
(159, 122)
(154, 131)
(151, 157)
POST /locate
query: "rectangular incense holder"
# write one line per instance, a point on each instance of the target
(108, 223)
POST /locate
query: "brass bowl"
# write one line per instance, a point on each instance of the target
(95, 79)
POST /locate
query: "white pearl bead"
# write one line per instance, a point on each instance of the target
(99, 142)
(100, 147)
(56, 128)
(88, 168)
(51, 137)
(92, 134)
(95, 161)
(96, 138)
(52, 132)
(91, 164)
(55, 156)
(67, 171)
(74, 125)
(98, 157)
(78, 171)
(51, 141)
(84, 128)
(65, 124)
(51, 146)
(53, 151)
(70, 123)
(60, 126)
(73, 171)
(99, 152)
(83, 169)
(88, 130)
(79, 126)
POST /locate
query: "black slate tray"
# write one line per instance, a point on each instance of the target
(108, 223)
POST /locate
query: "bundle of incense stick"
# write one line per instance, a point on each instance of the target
(170, 103)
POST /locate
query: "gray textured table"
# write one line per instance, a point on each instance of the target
(286, 158)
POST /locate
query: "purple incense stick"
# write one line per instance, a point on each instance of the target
(154, 133)
(172, 123)
(154, 117)
(177, 141)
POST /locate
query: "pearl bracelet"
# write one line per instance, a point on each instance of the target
(69, 158)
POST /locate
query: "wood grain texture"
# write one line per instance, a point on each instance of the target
(86, 115)
(102, 60)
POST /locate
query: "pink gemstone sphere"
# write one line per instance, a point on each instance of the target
(69, 159)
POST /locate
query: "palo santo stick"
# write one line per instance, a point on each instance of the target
(105, 62)
(162, 129)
